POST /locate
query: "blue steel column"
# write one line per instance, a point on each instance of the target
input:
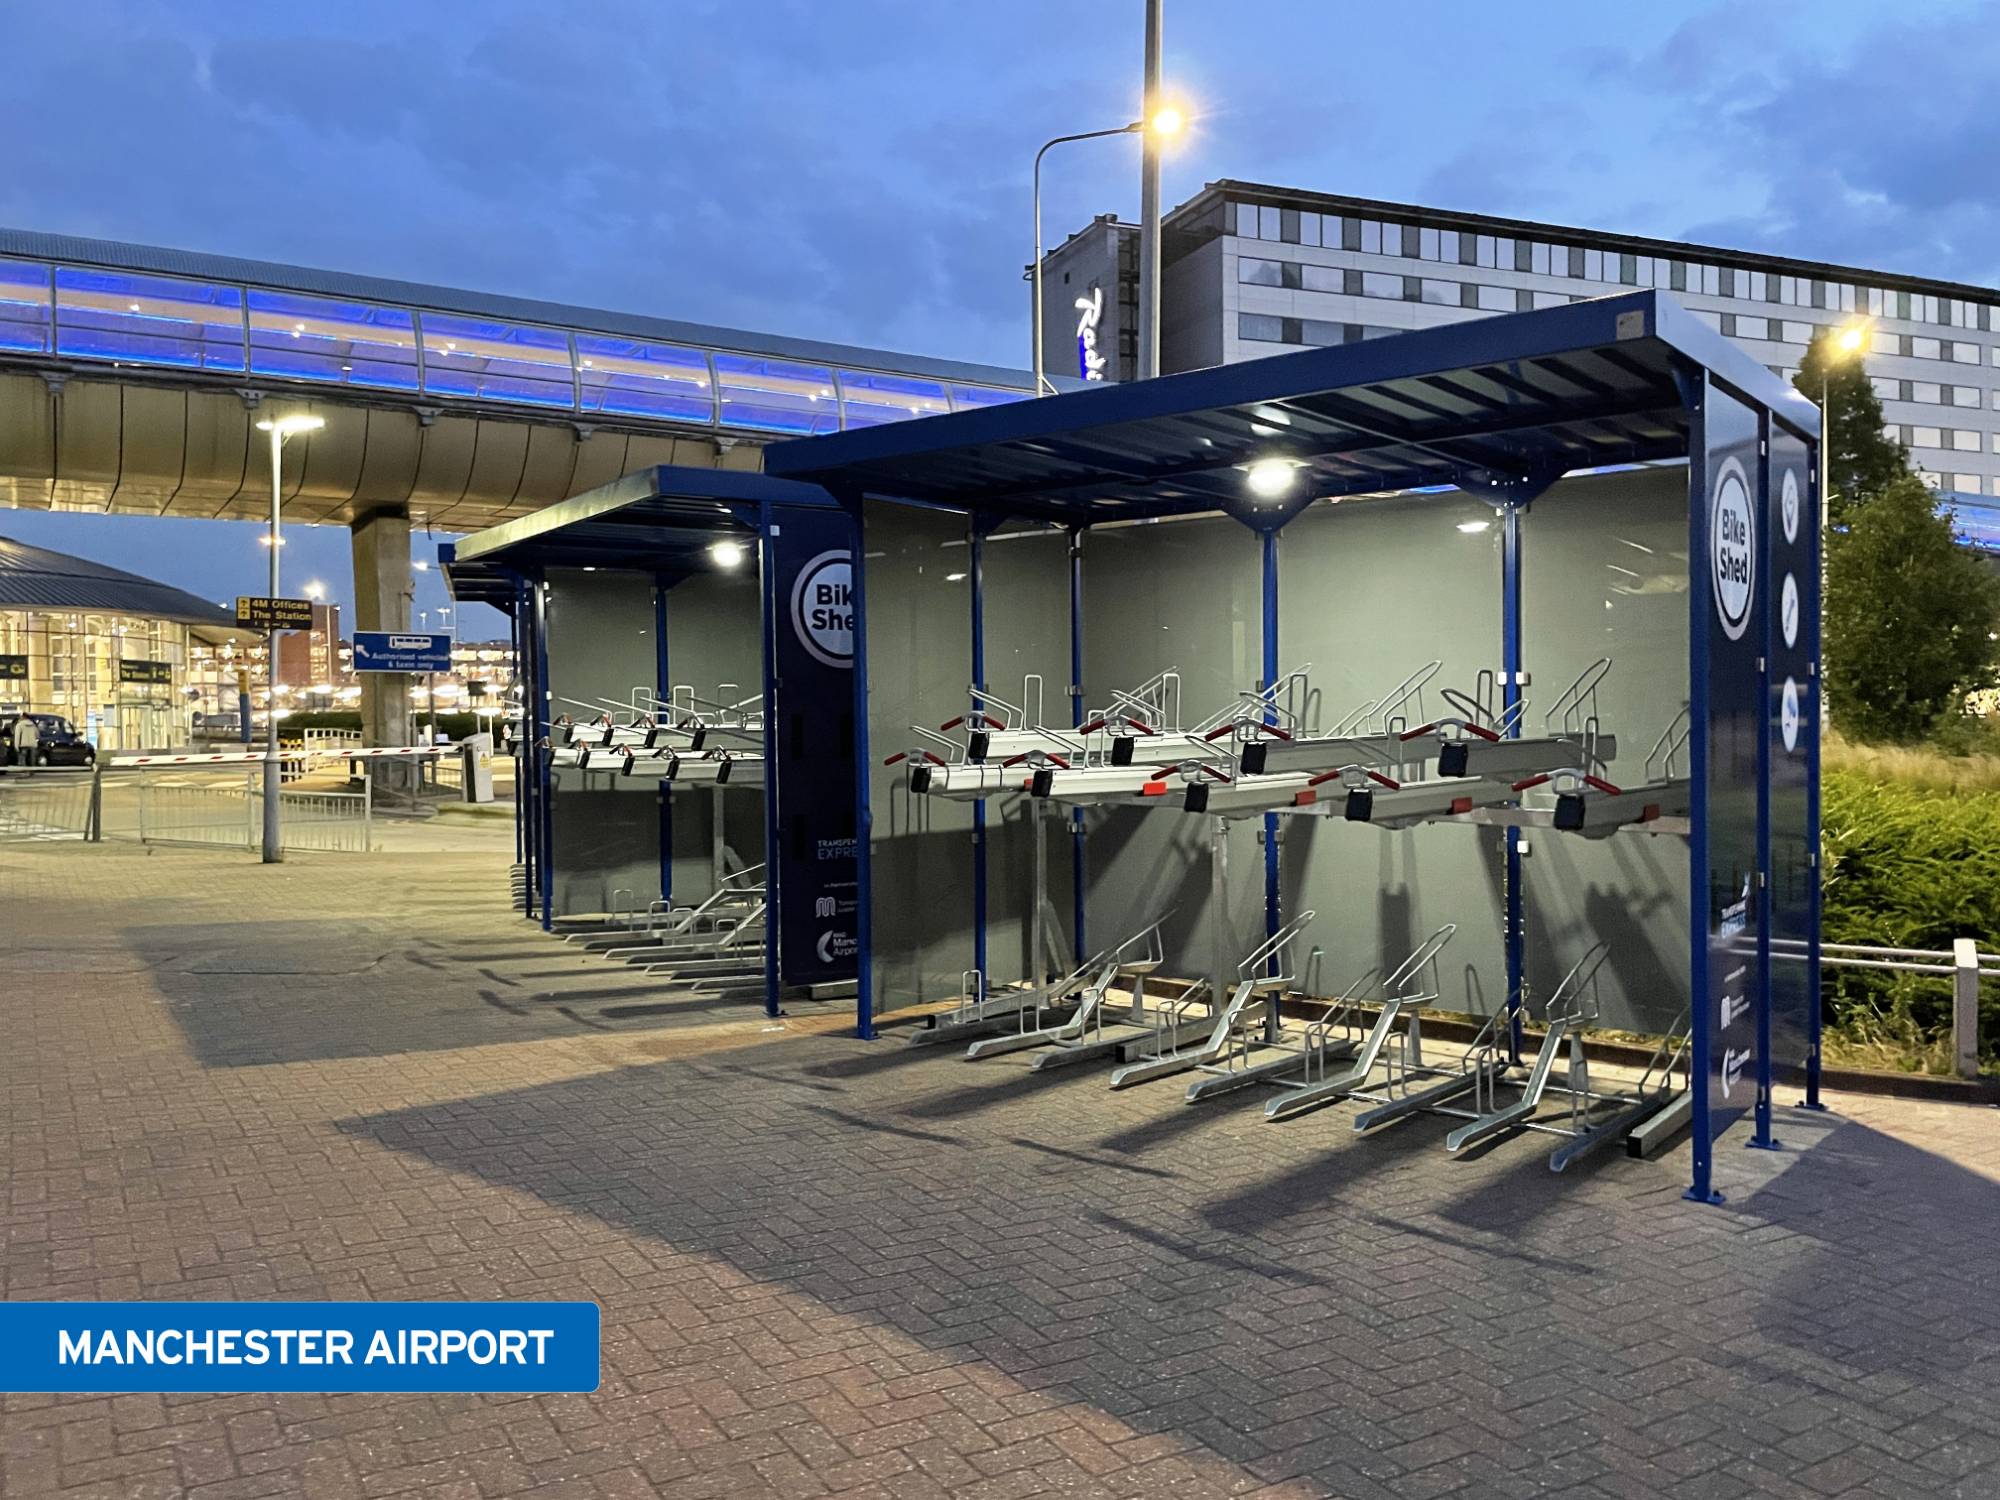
(525, 831)
(544, 772)
(773, 721)
(1701, 1045)
(520, 681)
(1760, 1136)
(976, 569)
(1076, 853)
(864, 816)
(1510, 698)
(662, 690)
(1273, 900)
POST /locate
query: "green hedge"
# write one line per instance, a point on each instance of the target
(1907, 866)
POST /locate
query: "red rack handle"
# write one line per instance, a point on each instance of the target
(1394, 786)
(1532, 781)
(1054, 760)
(1140, 725)
(899, 755)
(950, 724)
(1418, 733)
(993, 723)
(1092, 727)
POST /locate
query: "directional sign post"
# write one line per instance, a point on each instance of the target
(402, 651)
(257, 612)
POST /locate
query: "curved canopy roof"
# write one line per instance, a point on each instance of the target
(37, 578)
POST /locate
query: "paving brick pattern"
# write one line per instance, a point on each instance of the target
(831, 1268)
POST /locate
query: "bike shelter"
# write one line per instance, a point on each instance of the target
(1469, 670)
(683, 771)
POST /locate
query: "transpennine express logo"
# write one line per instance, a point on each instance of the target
(1732, 549)
(823, 608)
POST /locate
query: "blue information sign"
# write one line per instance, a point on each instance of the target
(1792, 735)
(809, 743)
(1728, 528)
(402, 651)
(299, 1346)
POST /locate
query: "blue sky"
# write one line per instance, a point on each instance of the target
(859, 171)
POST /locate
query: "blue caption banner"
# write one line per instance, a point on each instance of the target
(299, 1346)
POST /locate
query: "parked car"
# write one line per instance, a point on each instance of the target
(57, 741)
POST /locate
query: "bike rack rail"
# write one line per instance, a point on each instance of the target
(1215, 1041)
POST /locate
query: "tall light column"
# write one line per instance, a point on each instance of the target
(1149, 207)
(280, 429)
(1155, 127)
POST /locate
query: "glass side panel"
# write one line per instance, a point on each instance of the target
(868, 400)
(148, 320)
(24, 307)
(775, 396)
(966, 397)
(644, 380)
(319, 338)
(490, 361)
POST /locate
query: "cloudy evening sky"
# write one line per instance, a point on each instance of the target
(859, 171)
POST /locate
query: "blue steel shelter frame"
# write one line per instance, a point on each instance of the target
(658, 522)
(1501, 408)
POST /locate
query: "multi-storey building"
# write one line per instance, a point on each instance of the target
(1251, 270)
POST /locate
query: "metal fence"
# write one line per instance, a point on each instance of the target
(1963, 964)
(338, 822)
(219, 807)
(42, 805)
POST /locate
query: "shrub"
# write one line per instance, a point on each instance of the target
(1912, 862)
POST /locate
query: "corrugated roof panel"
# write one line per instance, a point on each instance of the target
(38, 578)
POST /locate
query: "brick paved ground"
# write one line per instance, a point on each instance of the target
(834, 1268)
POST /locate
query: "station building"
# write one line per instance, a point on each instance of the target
(112, 652)
(1251, 270)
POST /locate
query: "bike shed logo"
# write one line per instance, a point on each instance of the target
(1732, 549)
(823, 608)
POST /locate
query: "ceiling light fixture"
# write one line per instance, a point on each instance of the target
(1270, 478)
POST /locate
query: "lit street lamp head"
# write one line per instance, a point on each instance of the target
(1167, 121)
(290, 426)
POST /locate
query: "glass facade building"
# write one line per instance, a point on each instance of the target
(115, 654)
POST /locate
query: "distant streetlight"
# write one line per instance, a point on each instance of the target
(1846, 342)
(315, 591)
(280, 429)
(1166, 123)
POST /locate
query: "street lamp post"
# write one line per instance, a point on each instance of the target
(1164, 122)
(1847, 341)
(280, 429)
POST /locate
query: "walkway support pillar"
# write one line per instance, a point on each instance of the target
(383, 588)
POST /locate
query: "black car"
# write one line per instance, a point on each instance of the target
(57, 742)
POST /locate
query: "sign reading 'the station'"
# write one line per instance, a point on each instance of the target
(261, 612)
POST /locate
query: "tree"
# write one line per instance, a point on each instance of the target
(1909, 616)
(1861, 459)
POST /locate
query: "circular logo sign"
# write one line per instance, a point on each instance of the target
(1732, 549)
(1788, 714)
(1788, 505)
(823, 608)
(1788, 611)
